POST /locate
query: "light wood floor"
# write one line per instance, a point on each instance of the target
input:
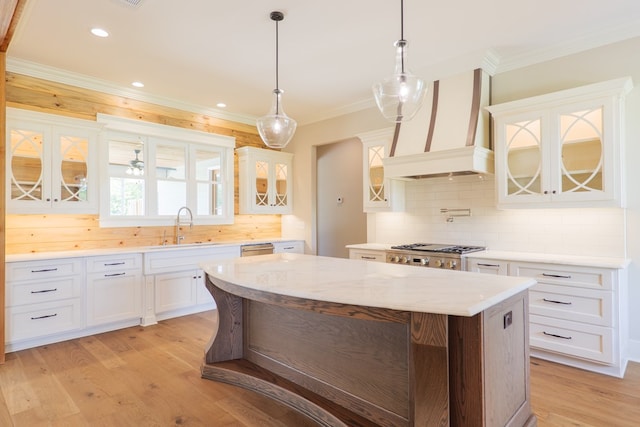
(150, 377)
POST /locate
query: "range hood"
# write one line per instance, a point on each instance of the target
(450, 133)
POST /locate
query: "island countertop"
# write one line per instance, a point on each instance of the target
(372, 284)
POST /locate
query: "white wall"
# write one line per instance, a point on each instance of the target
(578, 231)
(562, 231)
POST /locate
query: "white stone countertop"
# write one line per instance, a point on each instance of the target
(579, 260)
(551, 258)
(35, 256)
(367, 283)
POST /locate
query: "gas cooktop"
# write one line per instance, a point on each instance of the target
(433, 247)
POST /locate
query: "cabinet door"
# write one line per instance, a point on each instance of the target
(175, 291)
(28, 166)
(265, 181)
(50, 165)
(379, 193)
(488, 266)
(113, 296)
(203, 296)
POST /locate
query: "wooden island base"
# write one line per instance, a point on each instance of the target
(346, 365)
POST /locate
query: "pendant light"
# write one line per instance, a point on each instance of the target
(276, 128)
(400, 96)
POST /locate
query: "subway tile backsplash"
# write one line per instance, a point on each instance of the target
(575, 231)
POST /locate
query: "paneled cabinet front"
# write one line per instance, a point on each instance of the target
(43, 299)
(50, 163)
(561, 149)
(379, 193)
(265, 184)
(114, 289)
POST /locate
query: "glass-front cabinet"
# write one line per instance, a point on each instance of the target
(561, 149)
(379, 193)
(265, 184)
(50, 163)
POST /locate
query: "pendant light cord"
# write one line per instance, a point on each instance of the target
(277, 59)
(403, 42)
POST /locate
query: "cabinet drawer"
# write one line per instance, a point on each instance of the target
(30, 292)
(584, 277)
(367, 255)
(580, 305)
(576, 339)
(32, 321)
(37, 270)
(114, 263)
(296, 247)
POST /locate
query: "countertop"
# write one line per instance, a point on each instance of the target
(364, 283)
(133, 249)
(550, 258)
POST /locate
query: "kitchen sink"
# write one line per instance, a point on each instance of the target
(182, 245)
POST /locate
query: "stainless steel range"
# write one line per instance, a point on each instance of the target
(431, 255)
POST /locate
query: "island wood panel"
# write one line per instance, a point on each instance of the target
(43, 233)
(488, 380)
(460, 370)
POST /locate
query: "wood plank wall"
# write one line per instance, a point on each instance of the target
(41, 233)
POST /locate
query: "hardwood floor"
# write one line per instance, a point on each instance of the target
(151, 377)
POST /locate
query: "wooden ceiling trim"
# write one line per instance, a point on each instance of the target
(10, 12)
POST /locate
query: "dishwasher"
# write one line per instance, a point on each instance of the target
(256, 249)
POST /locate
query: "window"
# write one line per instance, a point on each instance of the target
(152, 171)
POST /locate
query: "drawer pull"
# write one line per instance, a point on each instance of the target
(114, 274)
(114, 263)
(44, 291)
(556, 302)
(45, 316)
(288, 248)
(367, 257)
(488, 265)
(45, 270)
(557, 276)
(556, 335)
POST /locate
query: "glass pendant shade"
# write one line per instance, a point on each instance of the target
(276, 128)
(400, 96)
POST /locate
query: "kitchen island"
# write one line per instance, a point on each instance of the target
(358, 343)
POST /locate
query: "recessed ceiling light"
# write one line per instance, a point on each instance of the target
(221, 105)
(137, 84)
(99, 32)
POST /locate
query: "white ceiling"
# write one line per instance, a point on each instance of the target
(201, 52)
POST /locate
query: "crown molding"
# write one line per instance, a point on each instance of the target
(576, 45)
(32, 69)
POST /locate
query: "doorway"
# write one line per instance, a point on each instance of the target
(340, 218)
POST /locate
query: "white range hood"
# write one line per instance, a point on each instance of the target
(450, 133)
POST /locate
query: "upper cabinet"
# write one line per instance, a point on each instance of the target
(561, 149)
(379, 192)
(265, 184)
(50, 163)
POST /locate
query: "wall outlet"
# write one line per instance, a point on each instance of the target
(507, 320)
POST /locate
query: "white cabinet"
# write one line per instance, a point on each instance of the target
(367, 255)
(379, 192)
(294, 246)
(577, 313)
(488, 266)
(574, 311)
(50, 163)
(175, 283)
(114, 289)
(561, 149)
(265, 185)
(43, 301)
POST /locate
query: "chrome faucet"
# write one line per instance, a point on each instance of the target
(180, 223)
